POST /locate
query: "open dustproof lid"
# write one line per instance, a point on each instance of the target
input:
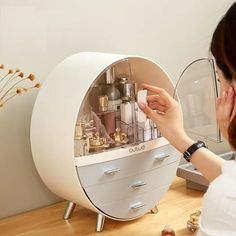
(197, 92)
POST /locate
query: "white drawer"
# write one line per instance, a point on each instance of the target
(129, 208)
(131, 186)
(127, 166)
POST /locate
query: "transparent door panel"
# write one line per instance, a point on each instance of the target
(108, 116)
(197, 92)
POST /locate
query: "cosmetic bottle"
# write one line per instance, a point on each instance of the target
(141, 98)
(109, 76)
(120, 85)
(114, 100)
(193, 222)
(155, 131)
(167, 231)
(108, 119)
(113, 93)
(97, 142)
(120, 138)
(80, 130)
(80, 141)
(103, 103)
(129, 90)
(81, 147)
(144, 131)
(126, 115)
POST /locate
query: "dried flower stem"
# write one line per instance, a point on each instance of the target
(4, 77)
(9, 98)
(12, 87)
(10, 84)
(10, 79)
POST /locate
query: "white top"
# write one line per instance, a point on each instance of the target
(218, 216)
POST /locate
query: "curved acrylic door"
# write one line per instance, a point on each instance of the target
(197, 92)
(109, 117)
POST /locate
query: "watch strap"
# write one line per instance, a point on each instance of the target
(194, 147)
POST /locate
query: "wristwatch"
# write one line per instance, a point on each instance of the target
(194, 147)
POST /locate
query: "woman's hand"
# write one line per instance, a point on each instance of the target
(168, 116)
(226, 110)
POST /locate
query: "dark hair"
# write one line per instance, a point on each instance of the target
(223, 48)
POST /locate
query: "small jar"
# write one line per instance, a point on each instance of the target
(193, 224)
(80, 130)
(167, 231)
(129, 90)
(103, 103)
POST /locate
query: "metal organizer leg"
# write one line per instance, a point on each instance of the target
(69, 210)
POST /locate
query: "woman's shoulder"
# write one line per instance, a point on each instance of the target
(229, 169)
(219, 204)
(224, 184)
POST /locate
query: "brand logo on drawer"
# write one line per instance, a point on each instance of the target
(137, 149)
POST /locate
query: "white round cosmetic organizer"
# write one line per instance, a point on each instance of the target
(122, 183)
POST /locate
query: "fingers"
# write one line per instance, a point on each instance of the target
(156, 98)
(157, 106)
(160, 91)
(226, 102)
(154, 89)
(148, 111)
(162, 94)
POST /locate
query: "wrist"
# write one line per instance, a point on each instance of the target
(181, 141)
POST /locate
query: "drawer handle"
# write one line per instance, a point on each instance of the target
(137, 206)
(161, 157)
(112, 171)
(138, 185)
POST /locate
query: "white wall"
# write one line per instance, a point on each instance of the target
(36, 34)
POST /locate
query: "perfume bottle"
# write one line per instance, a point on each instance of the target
(129, 90)
(167, 231)
(192, 223)
(97, 143)
(155, 131)
(108, 119)
(103, 103)
(80, 130)
(126, 115)
(145, 131)
(114, 100)
(81, 147)
(141, 97)
(120, 84)
(113, 93)
(120, 138)
(80, 141)
(109, 77)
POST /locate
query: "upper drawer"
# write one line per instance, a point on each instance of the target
(131, 186)
(127, 166)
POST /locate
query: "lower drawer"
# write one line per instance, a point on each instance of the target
(131, 186)
(130, 208)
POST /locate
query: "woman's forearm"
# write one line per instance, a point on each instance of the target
(208, 163)
(170, 123)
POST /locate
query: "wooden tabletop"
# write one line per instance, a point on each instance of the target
(174, 209)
